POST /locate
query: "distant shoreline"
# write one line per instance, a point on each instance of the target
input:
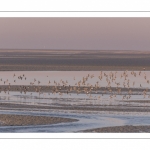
(73, 60)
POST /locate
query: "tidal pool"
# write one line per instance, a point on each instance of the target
(86, 121)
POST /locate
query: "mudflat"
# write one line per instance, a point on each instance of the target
(73, 60)
(23, 120)
(121, 129)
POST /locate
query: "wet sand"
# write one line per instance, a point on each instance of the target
(23, 120)
(73, 60)
(98, 108)
(120, 129)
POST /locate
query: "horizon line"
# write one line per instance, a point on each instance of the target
(74, 49)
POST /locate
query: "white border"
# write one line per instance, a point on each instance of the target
(74, 5)
(74, 14)
(74, 135)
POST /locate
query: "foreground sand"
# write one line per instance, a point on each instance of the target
(24, 120)
(121, 129)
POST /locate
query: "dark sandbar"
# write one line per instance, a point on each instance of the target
(24, 120)
(120, 129)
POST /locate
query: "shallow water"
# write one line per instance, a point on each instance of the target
(87, 119)
(46, 99)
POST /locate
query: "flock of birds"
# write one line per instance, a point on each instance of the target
(113, 86)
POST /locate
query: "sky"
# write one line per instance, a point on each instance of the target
(75, 33)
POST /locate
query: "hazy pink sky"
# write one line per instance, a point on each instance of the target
(75, 33)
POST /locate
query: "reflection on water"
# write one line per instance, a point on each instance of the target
(49, 99)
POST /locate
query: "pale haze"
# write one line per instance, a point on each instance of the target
(75, 33)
